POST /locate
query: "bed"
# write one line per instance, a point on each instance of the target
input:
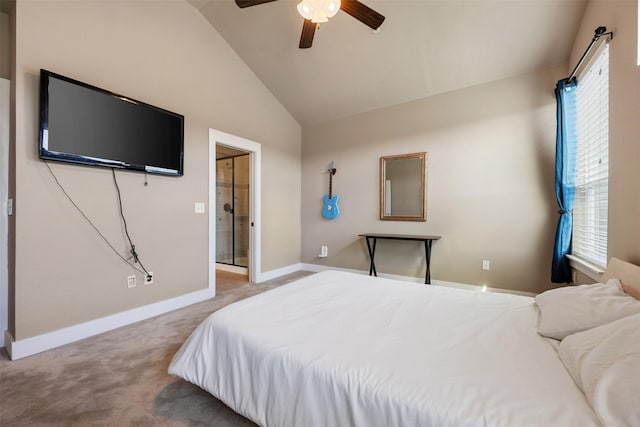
(343, 349)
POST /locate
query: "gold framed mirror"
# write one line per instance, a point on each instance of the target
(403, 195)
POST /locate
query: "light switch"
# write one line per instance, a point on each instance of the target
(199, 207)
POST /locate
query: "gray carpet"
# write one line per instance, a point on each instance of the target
(119, 378)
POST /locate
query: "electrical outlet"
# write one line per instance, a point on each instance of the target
(131, 281)
(10, 207)
(486, 265)
(148, 278)
(199, 207)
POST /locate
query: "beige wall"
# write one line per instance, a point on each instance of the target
(490, 179)
(166, 54)
(624, 120)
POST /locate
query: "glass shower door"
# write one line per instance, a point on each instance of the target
(232, 210)
(241, 210)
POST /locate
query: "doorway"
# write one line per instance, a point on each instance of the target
(221, 141)
(232, 207)
(4, 200)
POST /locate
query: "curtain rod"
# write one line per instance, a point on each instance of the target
(599, 32)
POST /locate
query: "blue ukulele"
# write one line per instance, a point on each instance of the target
(330, 209)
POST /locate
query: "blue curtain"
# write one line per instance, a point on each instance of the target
(566, 147)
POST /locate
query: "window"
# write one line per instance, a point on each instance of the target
(590, 207)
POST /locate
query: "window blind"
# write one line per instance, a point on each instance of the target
(590, 209)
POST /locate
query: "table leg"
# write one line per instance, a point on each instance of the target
(427, 253)
(372, 254)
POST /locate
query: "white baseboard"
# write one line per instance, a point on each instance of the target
(272, 274)
(30, 346)
(479, 288)
(232, 268)
(8, 340)
(318, 268)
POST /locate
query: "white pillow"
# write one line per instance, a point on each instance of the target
(565, 311)
(605, 363)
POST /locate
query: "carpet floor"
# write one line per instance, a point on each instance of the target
(120, 378)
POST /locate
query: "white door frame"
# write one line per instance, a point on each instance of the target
(4, 219)
(255, 158)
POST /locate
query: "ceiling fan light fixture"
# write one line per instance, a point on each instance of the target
(318, 10)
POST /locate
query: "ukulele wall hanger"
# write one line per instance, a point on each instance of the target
(330, 209)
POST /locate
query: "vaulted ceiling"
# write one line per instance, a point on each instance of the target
(423, 48)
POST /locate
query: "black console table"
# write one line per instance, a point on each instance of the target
(428, 240)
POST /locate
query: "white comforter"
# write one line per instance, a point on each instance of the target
(340, 349)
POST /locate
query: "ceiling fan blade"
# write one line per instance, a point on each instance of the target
(306, 38)
(247, 3)
(362, 13)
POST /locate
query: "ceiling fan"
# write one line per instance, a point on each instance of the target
(361, 12)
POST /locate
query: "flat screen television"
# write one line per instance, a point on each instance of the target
(83, 124)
